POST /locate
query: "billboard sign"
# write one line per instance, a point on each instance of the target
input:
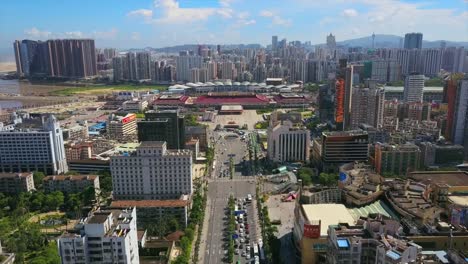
(312, 231)
(128, 118)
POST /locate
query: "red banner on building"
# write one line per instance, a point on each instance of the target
(312, 231)
(128, 119)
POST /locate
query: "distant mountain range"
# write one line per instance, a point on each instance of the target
(392, 41)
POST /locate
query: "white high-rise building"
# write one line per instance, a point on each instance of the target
(184, 64)
(194, 75)
(34, 149)
(152, 172)
(287, 142)
(227, 70)
(414, 85)
(103, 237)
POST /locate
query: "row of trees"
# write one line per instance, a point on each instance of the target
(272, 244)
(196, 218)
(231, 228)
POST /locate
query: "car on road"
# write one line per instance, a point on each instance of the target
(247, 226)
(249, 197)
(247, 248)
(236, 251)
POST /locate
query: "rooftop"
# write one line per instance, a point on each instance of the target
(98, 218)
(149, 203)
(451, 178)
(70, 177)
(152, 144)
(328, 214)
(13, 175)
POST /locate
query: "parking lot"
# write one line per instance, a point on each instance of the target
(246, 236)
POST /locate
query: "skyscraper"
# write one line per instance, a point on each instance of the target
(413, 40)
(167, 125)
(414, 85)
(331, 42)
(367, 106)
(274, 42)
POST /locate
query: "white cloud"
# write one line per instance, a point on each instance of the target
(243, 15)
(169, 12)
(135, 36)
(37, 34)
(74, 34)
(141, 12)
(110, 34)
(266, 13)
(350, 12)
(275, 19)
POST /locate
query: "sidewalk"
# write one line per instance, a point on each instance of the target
(204, 234)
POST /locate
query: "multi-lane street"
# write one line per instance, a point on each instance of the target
(214, 242)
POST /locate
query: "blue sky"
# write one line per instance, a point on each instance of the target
(141, 23)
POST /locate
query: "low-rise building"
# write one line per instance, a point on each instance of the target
(311, 228)
(70, 183)
(411, 200)
(443, 155)
(89, 166)
(321, 195)
(360, 184)
(14, 183)
(102, 237)
(122, 127)
(371, 241)
(198, 132)
(77, 132)
(194, 146)
(135, 105)
(148, 211)
(78, 150)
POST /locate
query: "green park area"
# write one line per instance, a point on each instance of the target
(105, 89)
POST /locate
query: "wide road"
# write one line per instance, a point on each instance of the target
(220, 187)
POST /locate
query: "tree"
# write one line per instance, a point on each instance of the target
(328, 179)
(72, 173)
(105, 181)
(54, 201)
(305, 174)
(38, 177)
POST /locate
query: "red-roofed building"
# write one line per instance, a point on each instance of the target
(172, 100)
(245, 100)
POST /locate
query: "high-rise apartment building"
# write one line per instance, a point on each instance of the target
(414, 85)
(288, 142)
(184, 63)
(413, 40)
(164, 125)
(75, 58)
(194, 75)
(367, 106)
(144, 67)
(152, 172)
(396, 159)
(103, 237)
(459, 128)
(34, 149)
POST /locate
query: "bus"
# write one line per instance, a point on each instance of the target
(255, 250)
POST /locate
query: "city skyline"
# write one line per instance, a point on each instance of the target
(164, 22)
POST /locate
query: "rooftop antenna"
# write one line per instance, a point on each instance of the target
(373, 40)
